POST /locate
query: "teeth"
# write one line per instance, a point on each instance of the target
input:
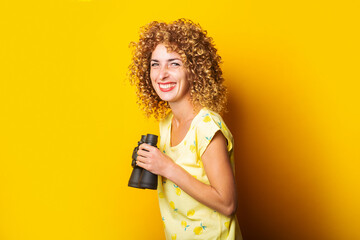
(169, 85)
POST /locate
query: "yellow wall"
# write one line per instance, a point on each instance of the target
(69, 119)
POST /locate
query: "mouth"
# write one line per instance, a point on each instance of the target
(166, 87)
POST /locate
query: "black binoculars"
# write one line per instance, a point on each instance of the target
(141, 178)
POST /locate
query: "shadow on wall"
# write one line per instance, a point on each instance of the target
(277, 185)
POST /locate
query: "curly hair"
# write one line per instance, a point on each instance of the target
(200, 58)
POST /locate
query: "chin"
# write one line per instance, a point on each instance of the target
(168, 97)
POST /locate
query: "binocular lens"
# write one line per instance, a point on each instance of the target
(151, 139)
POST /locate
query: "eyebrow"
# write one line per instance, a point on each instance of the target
(169, 60)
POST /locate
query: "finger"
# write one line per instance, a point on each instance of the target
(146, 147)
(142, 165)
(142, 159)
(143, 153)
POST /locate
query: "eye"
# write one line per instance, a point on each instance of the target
(154, 64)
(175, 64)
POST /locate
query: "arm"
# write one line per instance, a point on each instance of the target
(220, 195)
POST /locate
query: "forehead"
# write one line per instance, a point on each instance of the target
(161, 53)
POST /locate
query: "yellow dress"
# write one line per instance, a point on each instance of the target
(184, 217)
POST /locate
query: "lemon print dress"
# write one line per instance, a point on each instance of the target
(184, 217)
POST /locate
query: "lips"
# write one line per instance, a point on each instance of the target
(166, 87)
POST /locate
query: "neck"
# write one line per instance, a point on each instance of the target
(183, 111)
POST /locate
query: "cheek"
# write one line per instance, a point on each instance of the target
(151, 75)
(153, 84)
(152, 78)
(186, 81)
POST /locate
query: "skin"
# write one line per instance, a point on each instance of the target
(169, 79)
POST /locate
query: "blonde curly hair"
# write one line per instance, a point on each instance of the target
(199, 56)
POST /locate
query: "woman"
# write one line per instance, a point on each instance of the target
(176, 70)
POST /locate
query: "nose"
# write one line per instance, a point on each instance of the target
(163, 74)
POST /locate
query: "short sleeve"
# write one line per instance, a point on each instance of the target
(208, 125)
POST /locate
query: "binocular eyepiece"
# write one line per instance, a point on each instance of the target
(141, 178)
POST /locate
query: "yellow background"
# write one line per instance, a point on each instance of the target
(69, 119)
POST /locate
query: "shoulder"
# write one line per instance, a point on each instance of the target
(211, 116)
(166, 120)
(209, 124)
(164, 124)
(212, 120)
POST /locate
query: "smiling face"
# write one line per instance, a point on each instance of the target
(168, 75)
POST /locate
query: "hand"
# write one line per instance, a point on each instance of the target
(153, 160)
